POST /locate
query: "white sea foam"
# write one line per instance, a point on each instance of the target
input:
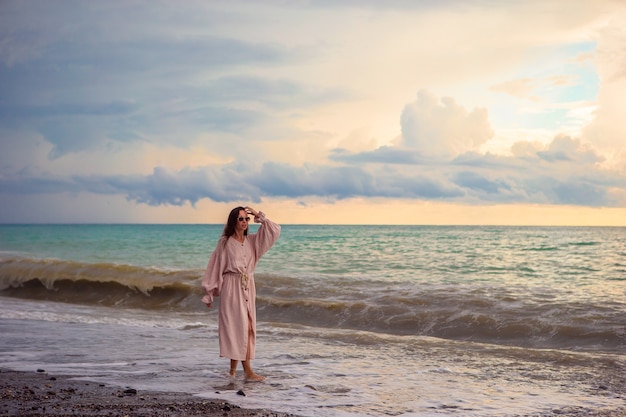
(13, 309)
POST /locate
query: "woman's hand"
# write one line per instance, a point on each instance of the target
(252, 211)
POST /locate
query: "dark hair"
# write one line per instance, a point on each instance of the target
(229, 228)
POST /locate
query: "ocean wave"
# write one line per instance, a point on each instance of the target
(472, 313)
(472, 319)
(102, 284)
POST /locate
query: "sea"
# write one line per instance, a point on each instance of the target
(352, 320)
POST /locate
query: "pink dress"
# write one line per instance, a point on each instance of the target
(230, 275)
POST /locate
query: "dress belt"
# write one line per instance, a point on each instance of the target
(243, 278)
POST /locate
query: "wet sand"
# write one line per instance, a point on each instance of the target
(38, 394)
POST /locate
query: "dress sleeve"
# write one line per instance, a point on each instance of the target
(266, 236)
(212, 280)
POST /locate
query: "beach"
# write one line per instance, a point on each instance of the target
(352, 321)
(40, 394)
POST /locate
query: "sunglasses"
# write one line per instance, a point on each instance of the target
(244, 218)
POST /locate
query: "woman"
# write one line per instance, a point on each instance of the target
(230, 275)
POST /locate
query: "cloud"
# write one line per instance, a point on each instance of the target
(607, 130)
(478, 182)
(521, 88)
(168, 106)
(564, 148)
(433, 130)
(290, 181)
(381, 155)
(436, 158)
(81, 87)
(81, 91)
(237, 183)
(525, 87)
(165, 187)
(442, 128)
(563, 172)
(113, 108)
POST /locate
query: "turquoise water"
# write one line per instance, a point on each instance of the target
(163, 246)
(469, 317)
(381, 252)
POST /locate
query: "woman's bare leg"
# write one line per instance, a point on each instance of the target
(233, 367)
(247, 367)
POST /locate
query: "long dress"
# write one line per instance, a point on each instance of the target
(230, 275)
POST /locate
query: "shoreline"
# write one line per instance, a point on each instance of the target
(39, 394)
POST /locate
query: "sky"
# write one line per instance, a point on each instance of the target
(314, 111)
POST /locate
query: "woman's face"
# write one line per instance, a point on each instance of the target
(242, 225)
